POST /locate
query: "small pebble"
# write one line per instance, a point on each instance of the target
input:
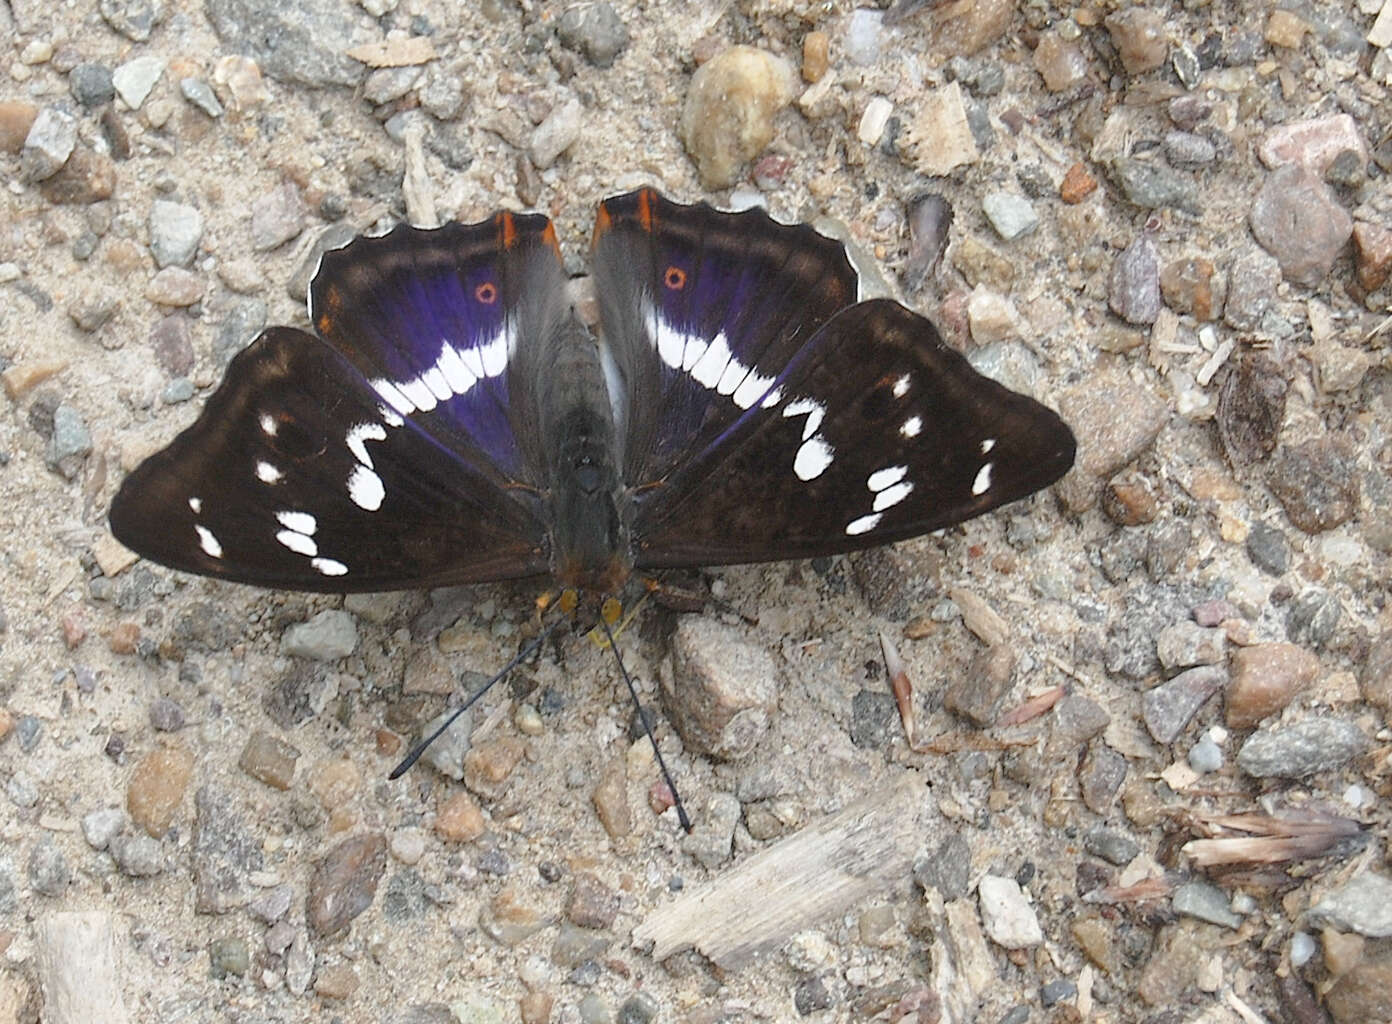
(176, 287)
(1298, 219)
(344, 883)
(91, 84)
(460, 819)
(277, 217)
(1009, 919)
(1301, 750)
(269, 759)
(594, 29)
(557, 133)
(166, 715)
(156, 788)
(137, 856)
(727, 119)
(99, 827)
(1265, 678)
(135, 79)
(1316, 483)
(1138, 33)
(328, 636)
(1205, 756)
(49, 144)
(229, 956)
(1133, 291)
(1011, 215)
(862, 41)
(175, 231)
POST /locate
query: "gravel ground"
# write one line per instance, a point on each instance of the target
(1149, 775)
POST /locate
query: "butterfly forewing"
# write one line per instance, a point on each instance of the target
(397, 449)
(442, 323)
(700, 311)
(875, 431)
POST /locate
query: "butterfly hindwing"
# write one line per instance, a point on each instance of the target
(875, 431)
(700, 311)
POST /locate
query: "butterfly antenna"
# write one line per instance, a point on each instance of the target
(647, 727)
(522, 656)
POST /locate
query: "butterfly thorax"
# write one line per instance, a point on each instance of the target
(590, 529)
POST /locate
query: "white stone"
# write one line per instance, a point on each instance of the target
(1009, 919)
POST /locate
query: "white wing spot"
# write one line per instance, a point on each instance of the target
(418, 393)
(300, 522)
(912, 426)
(862, 525)
(208, 542)
(812, 409)
(708, 369)
(982, 483)
(365, 488)
(459, 377)
(267, 473)
(195, 505)
(389, 416)
(360, 433)
(812, 459)
(329, 567)
(987, 445)
(493, 354)
(901, 386)
(752, 389)
(434, 379)
(892, 495)
(882, 478)
(298, 543)
(268, 424)
(393, 396)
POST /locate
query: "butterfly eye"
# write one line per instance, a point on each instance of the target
(674, 279)
(487, 293)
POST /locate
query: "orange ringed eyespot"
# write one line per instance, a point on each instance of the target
(675, 278)
(487, 293)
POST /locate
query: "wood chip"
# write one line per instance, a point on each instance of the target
(395, 53)
(113, 557)
(863, 851)
(76, 955)
(980, 617)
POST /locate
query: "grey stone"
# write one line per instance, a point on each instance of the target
(1252, 284)
(99, 827)
(1205, 756)
(386, 84)
(713, 839)
(1205, 902)
(201, 95)
(330, 635)
(175, 231)
(1012, 216)
(1151, 185)
(134, 79)
(302, 41)
(555, 135)
(51, 140)
(1363, 905)
(134, 19)
(1268, 549)
(720, 690)
(243, 322)
(1188, 149)
(1182, 645)
(91, 84)
(446, 754)
(1110, 845)
(1312, 618)
(1301, 750)
(594, 29)
(137, 855)
(277, 217)
(226, 851)
(1133, 289)
(71, 442)
(49, 872)
(1298, 219)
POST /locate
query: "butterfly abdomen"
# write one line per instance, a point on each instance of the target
(590, 540)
